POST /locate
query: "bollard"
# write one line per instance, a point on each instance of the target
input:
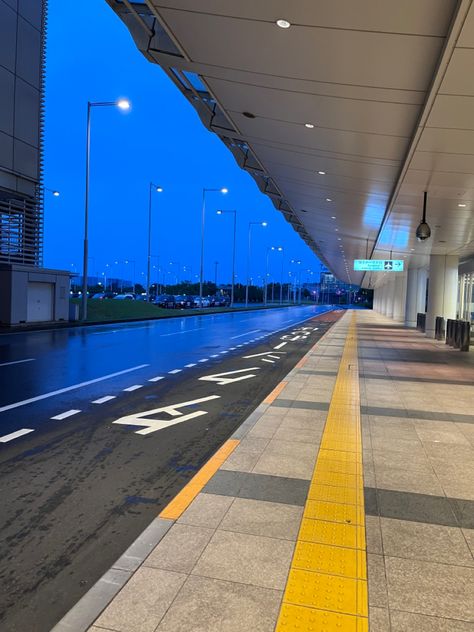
(465, 335)
(449, 331)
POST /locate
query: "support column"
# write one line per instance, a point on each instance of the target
(411, 309)
(399, 297)
(390, 297)
(442, 289)
(385, 299)
(421, 291)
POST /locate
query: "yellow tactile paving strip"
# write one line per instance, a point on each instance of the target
(181, 501)
(327, 583)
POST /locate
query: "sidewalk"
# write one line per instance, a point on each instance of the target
(272, 533)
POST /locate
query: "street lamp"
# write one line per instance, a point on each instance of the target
(203, 216)
(122, 104)
(269, 249)
(234, 212)
(298, 262)
(157, 189)
(216, 263)
(264, 224)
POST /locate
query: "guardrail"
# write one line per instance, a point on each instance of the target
(458, 334)
(421, 321)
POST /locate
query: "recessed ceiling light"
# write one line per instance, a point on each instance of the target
(283, 24)
(322, 173)
(333, 217)
(328, 200)
(462, 205)
(339, 239)
(309, 125)
(412, 249)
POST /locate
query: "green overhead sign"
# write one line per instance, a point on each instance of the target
(378, 265)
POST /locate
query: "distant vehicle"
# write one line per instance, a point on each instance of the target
(99, 296)
(165, 300)
(198, 302)
(140, 297)
(124, 297)
(222, 301)
(183, 302)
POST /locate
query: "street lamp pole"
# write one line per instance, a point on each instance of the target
(233, 254)
(123, 105)
(216, 263)
(158, 189)
(203, 219)
(264, 224)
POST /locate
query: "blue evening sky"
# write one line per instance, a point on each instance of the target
(91, 56)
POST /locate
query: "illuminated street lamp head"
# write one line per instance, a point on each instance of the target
(280, 248)
(264, 224)
(159, 189)
(56, 193)
(224, 190)
(219, 212)
(123, 104)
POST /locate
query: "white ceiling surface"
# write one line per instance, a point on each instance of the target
(361, 72)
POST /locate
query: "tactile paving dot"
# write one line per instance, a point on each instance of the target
(327, 592)
(339, 455)
(302, 619)
(344, 467)
(336, 479)
(334, 512)
(344, 495)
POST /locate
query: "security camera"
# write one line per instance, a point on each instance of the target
(423, 231)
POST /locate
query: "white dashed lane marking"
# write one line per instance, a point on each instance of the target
(15, 435)
(135, 387)
(156, 379)
(245, 334)
(68, 413)
(204, 360)
(17, 362)
(265, 360)
(188, 366)
(104, 399)
(282, 344)
(174, 371)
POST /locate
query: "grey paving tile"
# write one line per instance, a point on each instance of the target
(312, 437)
(379, 620)
(429, 588)
(409, 622)
(421, 541)
(377, 582)
(142, 602)
(464, 512)
(291, 491)
(290, 448)
(241, 461)
(417, 414)
(143, 545)
(210, 605)
(180, 548)
(373, 535)
(258, 517)
(469, 536)
(253, 445)
(406, 480)
(286, 465)
(247, 559)
(206, 510)
(289, 403)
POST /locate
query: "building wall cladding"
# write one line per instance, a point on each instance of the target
(22, 32)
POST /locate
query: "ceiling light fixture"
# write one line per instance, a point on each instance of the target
(333, 217)
(283, 24)
(328, 200)
(309, 125)
(322, 173)
(462, 205)
(423, 231)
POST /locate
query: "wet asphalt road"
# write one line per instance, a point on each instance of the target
(78, 489)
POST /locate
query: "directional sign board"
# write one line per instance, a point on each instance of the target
(378, 265)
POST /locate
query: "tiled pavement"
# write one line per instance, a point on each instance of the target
(223, 565)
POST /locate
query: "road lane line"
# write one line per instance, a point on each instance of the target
(232, 348)
(18, 362)
(174, 371)
(135, 387)
(157, 378)
(189, 492)
(15, 435)
(215, 355)
(68, 413)
(274, 357)
(70, 388)
(204, 360)
(188, 366)
(175, 333)
(271, 361)
(223, 352)
(254, 331)
(102, 400)
(282, 344)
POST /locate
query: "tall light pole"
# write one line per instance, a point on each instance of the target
(281, 276)
(123, 104)
(234, 212)
(269, 250)
(264, 224)
(298, 262)
(157, 189)
(216, 263)
(203, 219)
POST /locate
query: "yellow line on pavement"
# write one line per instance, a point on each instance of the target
(274, 394)
(327, 583)
(185, 497)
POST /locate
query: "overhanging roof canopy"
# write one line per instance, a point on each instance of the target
(343, 119)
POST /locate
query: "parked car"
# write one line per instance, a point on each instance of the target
(165, 300)
(198, 302)
(124, 297)
(99, 296)
(183, 302)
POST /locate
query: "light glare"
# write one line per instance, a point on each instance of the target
(123, 104)
(283, 24)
